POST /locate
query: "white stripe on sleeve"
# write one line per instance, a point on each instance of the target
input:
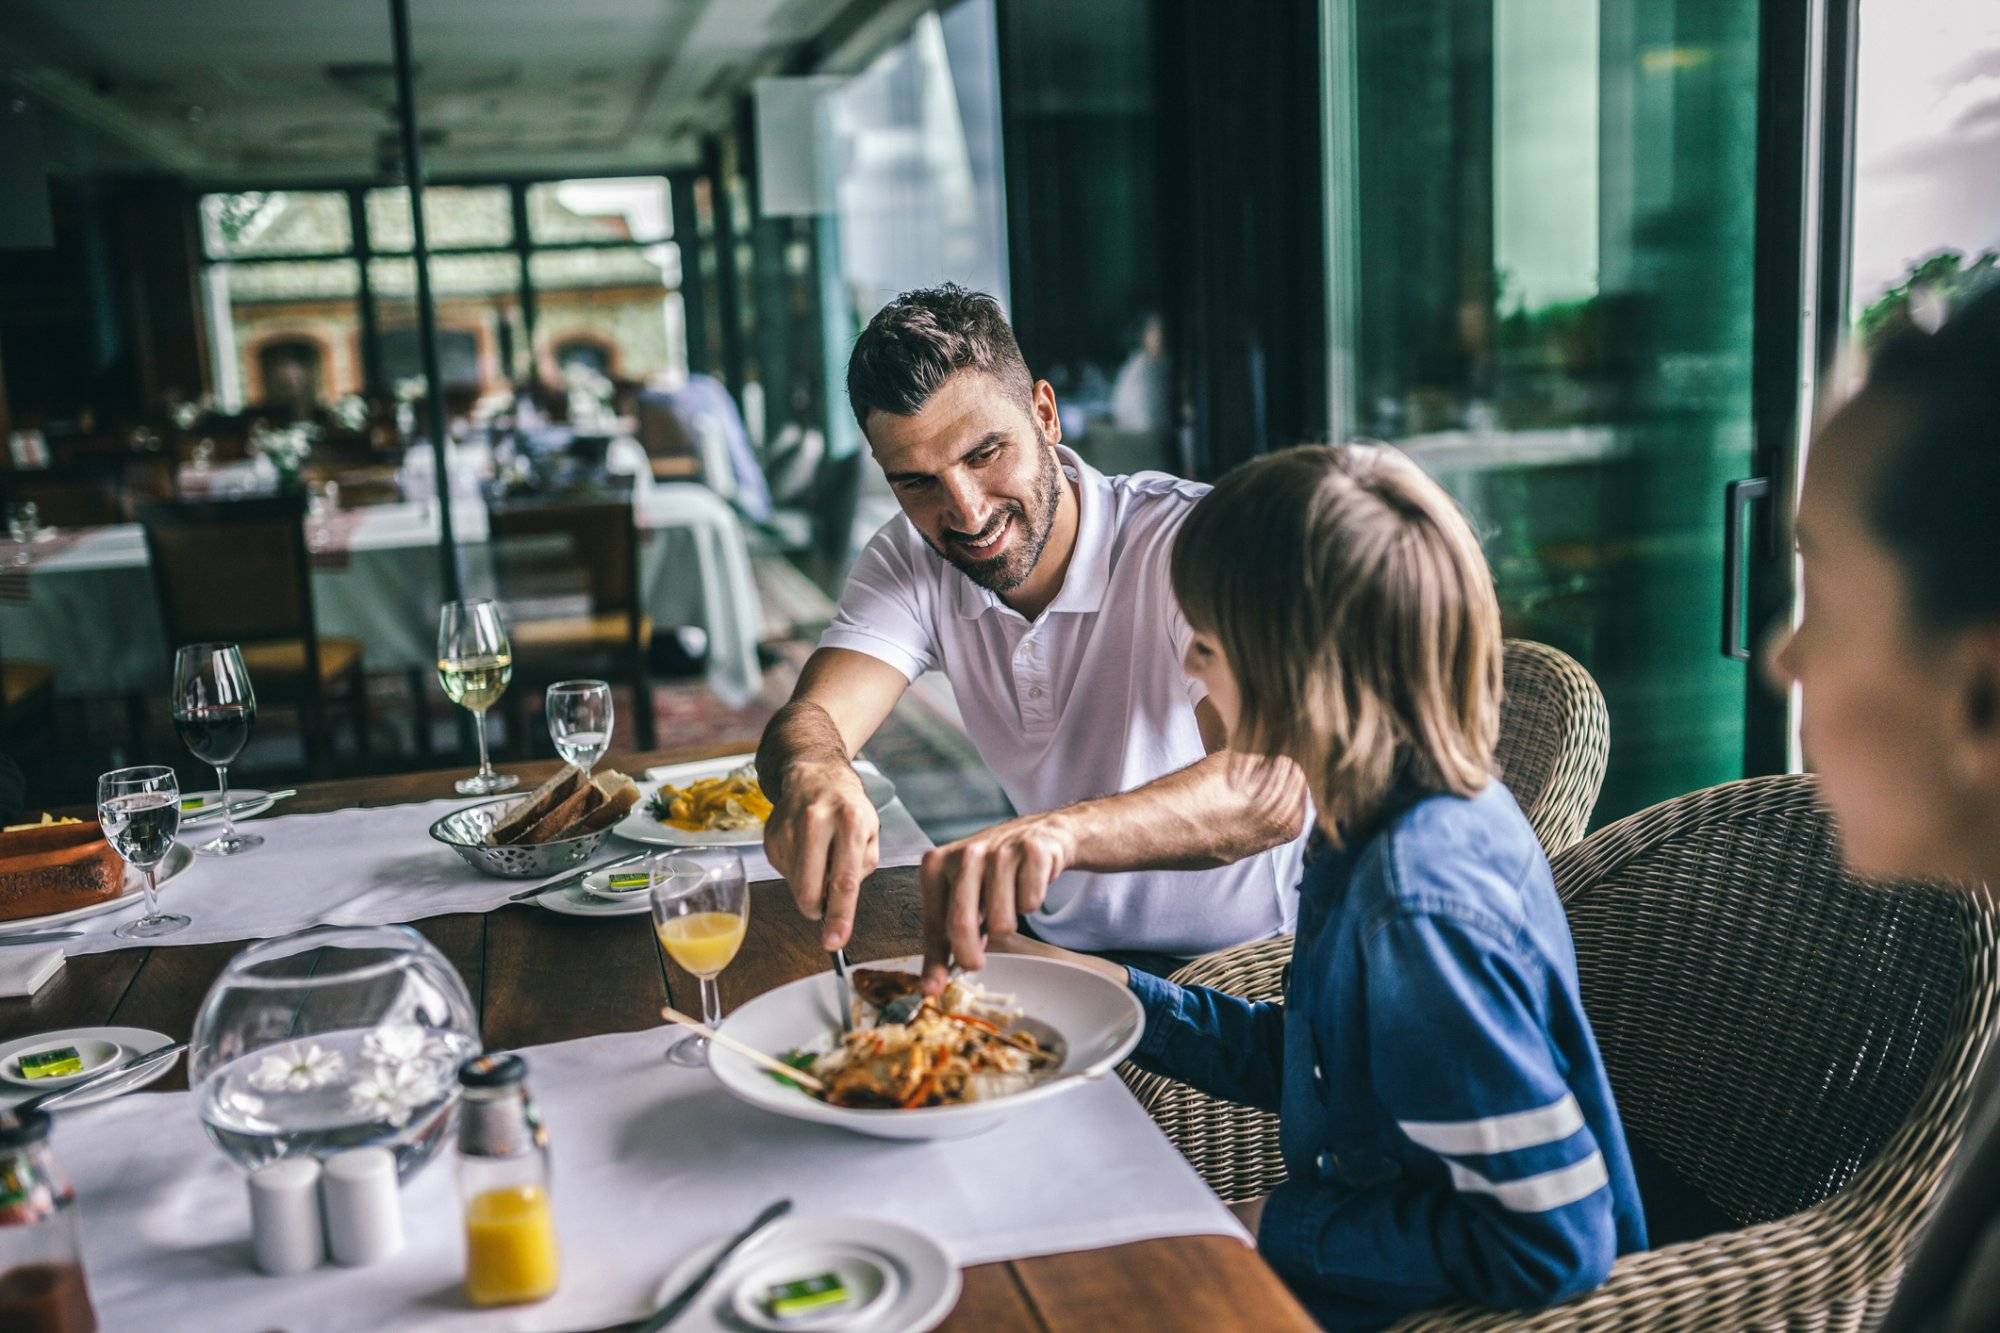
(1540, 1193)
(1498, 1133)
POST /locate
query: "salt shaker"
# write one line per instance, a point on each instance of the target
(364, 1214)
(284, 1216)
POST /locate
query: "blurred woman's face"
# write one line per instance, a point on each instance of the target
(1879, 698)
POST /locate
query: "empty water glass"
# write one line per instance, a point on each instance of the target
(579, 714)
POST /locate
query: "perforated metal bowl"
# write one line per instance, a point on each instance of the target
(464, 831)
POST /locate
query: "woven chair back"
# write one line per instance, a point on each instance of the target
(1555, 735)
(1768, 1020)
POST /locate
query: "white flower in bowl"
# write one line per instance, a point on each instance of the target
(289, 1069)
(391, 1093)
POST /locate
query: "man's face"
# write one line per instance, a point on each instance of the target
(975, 470)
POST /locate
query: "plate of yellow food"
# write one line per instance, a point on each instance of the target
(717, 804)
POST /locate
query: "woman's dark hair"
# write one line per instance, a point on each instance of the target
(921, 339)
(1936, 504)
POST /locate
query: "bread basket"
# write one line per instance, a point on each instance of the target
(465, 830)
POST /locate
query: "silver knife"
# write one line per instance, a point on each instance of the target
(576, 876)
(131, 1068)
(843, 991)
(39, 937)
(236, 808)
(685, 1297)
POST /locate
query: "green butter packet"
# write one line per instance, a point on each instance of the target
(637, 879)
(52, 1063)
(790, 1299)
(192, 803)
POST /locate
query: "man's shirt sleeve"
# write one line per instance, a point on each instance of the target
(882, 610)
(1460, 1057)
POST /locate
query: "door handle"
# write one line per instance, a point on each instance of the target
(1736, 496)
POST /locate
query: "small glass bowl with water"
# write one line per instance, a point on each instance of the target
(330, 1039)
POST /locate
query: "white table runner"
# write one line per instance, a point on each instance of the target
(650, 1160)
(366, 867)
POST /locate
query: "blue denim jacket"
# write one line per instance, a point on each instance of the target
(1443, 1112)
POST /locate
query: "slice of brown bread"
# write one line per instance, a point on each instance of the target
(532, 808)
(557, 822)
(620, 794)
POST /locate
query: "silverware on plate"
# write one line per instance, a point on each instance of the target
(130, 1069)
(576, 877)
(685, 1296)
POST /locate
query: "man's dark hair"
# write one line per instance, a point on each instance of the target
(1936, 501)
(921, 339)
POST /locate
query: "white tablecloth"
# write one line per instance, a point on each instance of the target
(91, 609)
(650, 1161)
(369, 867)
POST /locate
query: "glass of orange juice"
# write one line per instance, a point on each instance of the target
(701, 907)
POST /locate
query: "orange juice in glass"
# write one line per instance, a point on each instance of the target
(701, 909)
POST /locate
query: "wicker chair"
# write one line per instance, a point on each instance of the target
(1796, 1045)
(1554, 737)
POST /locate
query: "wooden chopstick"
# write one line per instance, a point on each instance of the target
(750, 1053)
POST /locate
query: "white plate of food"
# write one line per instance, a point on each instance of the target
(202, 807)
(46, 863)
(1037, 1028)
(897, 1279)
(718, 804)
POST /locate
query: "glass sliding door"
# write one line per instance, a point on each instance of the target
(1541, 240)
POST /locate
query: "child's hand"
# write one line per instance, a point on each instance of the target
(1249, 1213)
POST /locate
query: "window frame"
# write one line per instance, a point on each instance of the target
(363, 251)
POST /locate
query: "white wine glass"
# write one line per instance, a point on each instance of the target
(140, 810)
(214, 709)
(475, 662)
(579, 714)
(701, 910)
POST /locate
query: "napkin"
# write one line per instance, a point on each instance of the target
(23, 971)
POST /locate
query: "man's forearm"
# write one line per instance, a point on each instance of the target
(799, 734)
(1211, 813)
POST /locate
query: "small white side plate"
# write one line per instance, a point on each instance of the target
(929, 1281)
(872, 1280)
(579, 901)
(95, 1053)
(135, 1041)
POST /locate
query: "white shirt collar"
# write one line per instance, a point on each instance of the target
(1089, 564)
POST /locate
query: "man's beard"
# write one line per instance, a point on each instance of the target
(1010, 569)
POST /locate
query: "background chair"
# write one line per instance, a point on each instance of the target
(238, 571)
(1554, 737)
(1793, 1045)
(543, 548)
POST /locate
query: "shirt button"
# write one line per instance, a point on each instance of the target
(1319, 1075)
(1327, 1163)
(1035, 693)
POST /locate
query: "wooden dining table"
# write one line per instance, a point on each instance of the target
(538, 977)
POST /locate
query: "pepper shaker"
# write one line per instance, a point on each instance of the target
(364, 1213)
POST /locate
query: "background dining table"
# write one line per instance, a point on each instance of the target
(538, 977)
(85, 596)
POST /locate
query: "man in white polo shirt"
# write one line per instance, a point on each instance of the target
(1040, 587)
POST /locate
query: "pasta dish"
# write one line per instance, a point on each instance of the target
(713, 805)
(964, 1045)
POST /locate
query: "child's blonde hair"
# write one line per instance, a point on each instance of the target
(1356, 610)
